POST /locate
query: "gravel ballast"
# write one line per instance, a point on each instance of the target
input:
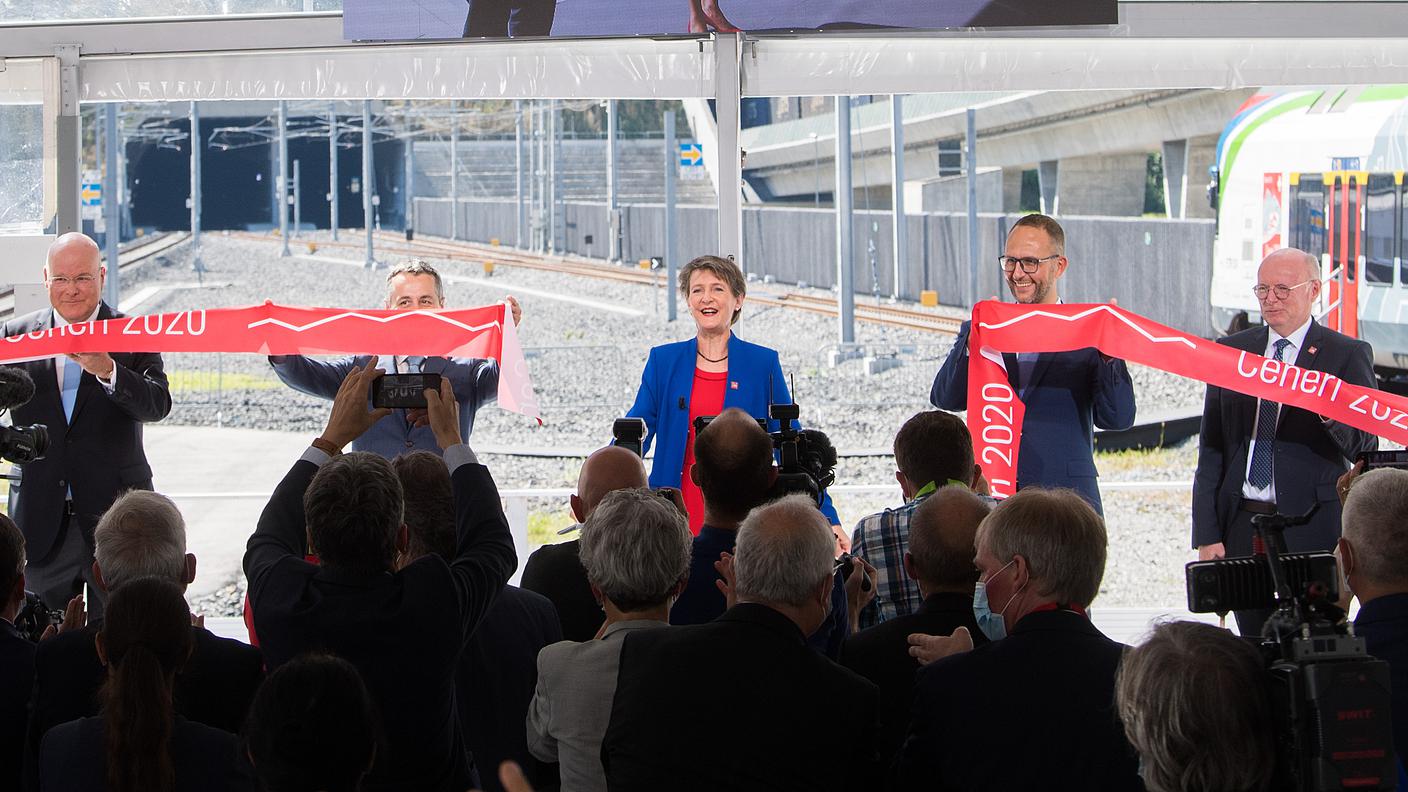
(586, 365)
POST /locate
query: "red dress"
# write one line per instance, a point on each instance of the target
(706, 398)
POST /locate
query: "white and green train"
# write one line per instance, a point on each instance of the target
(1319, 169)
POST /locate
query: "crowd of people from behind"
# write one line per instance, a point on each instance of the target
(705, 631)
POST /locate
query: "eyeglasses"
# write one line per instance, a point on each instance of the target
(1029, 265)
(82, 281)
(1281, 291)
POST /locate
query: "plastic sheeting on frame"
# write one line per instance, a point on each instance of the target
(880, 65)
(636, 69)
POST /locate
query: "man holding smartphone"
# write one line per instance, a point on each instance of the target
(412, 286)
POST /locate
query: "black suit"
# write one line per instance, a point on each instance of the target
(556, 572)
(16, 683)
(1310, 454)
(1032, 711)
(215, 688)
(403, 631)
(98, 454)
(74, 757)
(881, 654)
(497, 676)
(740, 703)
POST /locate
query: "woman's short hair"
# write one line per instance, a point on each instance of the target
(636, 548)
(1194, 704)
(724, 269)
(312, 727)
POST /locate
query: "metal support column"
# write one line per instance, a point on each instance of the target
(901, 231)
(845, 250)
(728, 86)
(69, 136)
(368, 181)
(555, 169)
(613, 246)
(454, 170)
(532, 176)
(197, 146)
(672, 158)
(297, 199)
(333, 220)
(521, 216)
(281, 178)
(970, 167)
(408, 209)
(112, 223)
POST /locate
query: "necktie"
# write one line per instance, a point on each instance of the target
(1026, 363)
(72, 373)
(1259, 474)
(413, 363)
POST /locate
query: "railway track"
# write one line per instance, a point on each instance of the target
(136, 251)
(889, 315)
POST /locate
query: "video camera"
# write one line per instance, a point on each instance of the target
(1330, 699)
(20, 444)
(806, 459)
(34, 618)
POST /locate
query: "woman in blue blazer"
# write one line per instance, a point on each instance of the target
(704, 375)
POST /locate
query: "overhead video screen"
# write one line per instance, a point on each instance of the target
(396, 20)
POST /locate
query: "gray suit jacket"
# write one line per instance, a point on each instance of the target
(572, 705)
(475, 380)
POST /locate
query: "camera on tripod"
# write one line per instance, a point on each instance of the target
(1330, 699)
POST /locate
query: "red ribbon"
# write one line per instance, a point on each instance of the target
(995, 413)
(269, 329)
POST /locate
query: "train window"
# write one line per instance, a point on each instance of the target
(1308, 215)
(1380, 221)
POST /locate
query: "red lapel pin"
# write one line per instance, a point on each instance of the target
(1311, 350)
(733, 386)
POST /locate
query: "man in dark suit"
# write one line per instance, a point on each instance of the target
(1065, 393)
(16, 656)
(1257, 457)
(742, 702)
(413, 286)
(1034, 709)
(555, 571)
(403, 629)
(940, 560)
(1374, 556)
(498, 671)
(94, 405)
(143, 535)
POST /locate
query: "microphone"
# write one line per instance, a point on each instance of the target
(16, 388)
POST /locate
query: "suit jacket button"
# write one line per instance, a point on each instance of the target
(63, 484)
(410, 444)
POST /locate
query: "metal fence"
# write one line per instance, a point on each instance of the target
(1158, 268)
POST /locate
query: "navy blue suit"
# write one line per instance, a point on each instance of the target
(475, 380)
(1035, 710)
(1383, 624)
(755, 380)
(1310, 454)
(1069, 394)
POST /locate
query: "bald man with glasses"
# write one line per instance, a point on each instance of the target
(1066, 394)
(1258, 457)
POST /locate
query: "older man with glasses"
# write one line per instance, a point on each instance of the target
(1066, 393)
(94, 404)
(1256, 456)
